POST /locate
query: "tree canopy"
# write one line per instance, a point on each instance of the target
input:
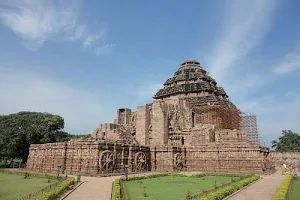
(18, 131)
(289, 141)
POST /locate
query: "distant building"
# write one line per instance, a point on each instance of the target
(249, 124)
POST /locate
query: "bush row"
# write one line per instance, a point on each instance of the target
(283, 191)
(29, 174)
(221, 174)
(224, 192)
(57, 190)
(116, 190)
(147, 176)
(184, 175)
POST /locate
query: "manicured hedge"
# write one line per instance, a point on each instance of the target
(30, 174)
(57, 190)
(184, 175)
(282, 192)
(116, 190)
(220, 174)
(148, 176)
(224, 192)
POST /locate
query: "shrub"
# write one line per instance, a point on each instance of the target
(145, 194)
(215, 185)
(3, 162)
(57, 190)
(26, 175)
(116, 190)
(221, 174)
(282, 192)
(224, 192)
(188, 195)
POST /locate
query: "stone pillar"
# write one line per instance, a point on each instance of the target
(130, 159)
(122, 157)
(183, 153)
(115, 153)
(153, 158)
(123, 116)
(142, 125)
(160, 126)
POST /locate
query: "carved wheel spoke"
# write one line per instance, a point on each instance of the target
(106, 161)
(140, 160)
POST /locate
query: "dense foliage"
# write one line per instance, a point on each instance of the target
(18, 131)
(282, 192)
(289, 141)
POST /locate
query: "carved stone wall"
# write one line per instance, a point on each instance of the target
(47, 157)
(92, 157)
(88, 157)
(292, 158)
(220, 157)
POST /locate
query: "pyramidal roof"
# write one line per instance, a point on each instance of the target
(192, 78)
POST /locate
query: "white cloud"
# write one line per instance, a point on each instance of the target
(37, 21)
(91, 39)
(239, 87)
(81, 110)
(104, 49)
(290, 63)
(78, 32)
(247, 24)
(275, 113)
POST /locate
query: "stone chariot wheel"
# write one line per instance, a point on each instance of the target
(140, 160)
(178, 161)
(106, 161)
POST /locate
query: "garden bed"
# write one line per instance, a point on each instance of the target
(14, 186)
(178, 186)
(34, 186)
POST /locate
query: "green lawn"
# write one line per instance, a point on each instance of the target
(13, 186)
(171, 187)
(295, 194)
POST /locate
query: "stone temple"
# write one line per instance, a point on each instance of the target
(191, 125)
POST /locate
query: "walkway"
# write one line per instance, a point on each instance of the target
(96, 188)
(93, 188)
(264, 189)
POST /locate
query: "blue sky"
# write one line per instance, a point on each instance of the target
(84, 59)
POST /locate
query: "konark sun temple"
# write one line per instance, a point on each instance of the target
(191, 125)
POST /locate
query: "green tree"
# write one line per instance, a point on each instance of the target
(83, 136)
(289, 141)
(17, 161)
(18, 131)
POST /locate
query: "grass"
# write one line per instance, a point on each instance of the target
(171, 187)
(14, 186)
(295, 193)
